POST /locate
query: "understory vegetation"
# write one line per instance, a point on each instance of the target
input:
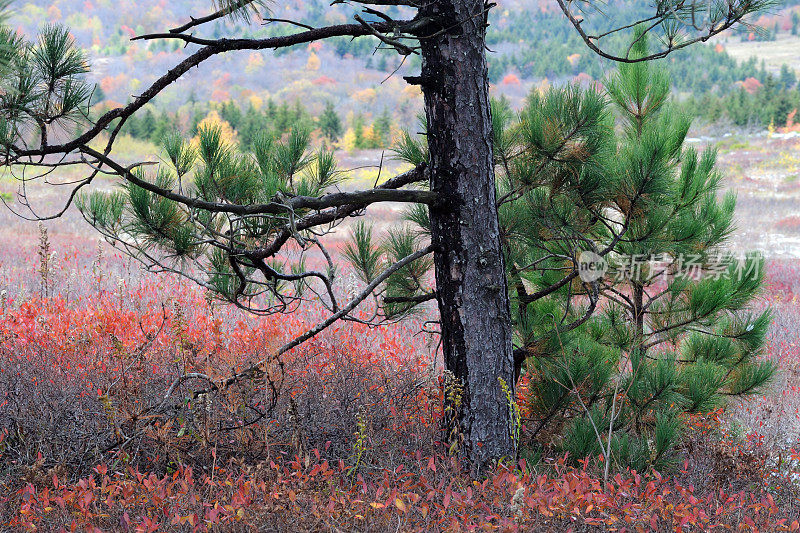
(352, 442)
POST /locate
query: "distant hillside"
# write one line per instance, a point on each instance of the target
(531, 39)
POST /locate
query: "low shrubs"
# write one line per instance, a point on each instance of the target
(344, 434)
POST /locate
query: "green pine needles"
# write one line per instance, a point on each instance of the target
(42, 84)
(216, 240)
(615, 358)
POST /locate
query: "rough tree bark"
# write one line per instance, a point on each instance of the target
(470, 272)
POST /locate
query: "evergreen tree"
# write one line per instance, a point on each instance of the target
(133, 128)
(232, 114)
(283, 119)
(674, 334)
(788, 78)
(330, 123)
(272, 110)
(383, 129)
(197, 118)
(99, 95)
(616, 357)
(358, 131)
(254, 121)
(147, 126)
(299, 112)
(164, 124)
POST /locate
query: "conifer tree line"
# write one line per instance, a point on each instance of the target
(546, 48)
(769, 104)
(276, 119)
(501, 211)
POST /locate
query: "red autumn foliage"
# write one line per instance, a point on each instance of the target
(75, 369)
(790, 123)
(583, 79)
(324, 80)
(790, 223)
(127, 29)
(304, 492)
(751, 85)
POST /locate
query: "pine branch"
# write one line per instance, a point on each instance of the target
(737, 11)
(290, 204)
(222, 12)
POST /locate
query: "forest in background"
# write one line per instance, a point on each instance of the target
(532, 47)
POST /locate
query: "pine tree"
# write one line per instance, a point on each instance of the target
(254, 121)
(330, 123)
(147, 126)
(788, 78)
(674, 335)
(232, 114)
(132, 127)
(358, 131)
(272, 109)
(236, 212)
(614, 358)
(99, 95)
(283, 119)
(383, 129)
(197, 117)
(299, 112)
(383, 64)
(163, 125)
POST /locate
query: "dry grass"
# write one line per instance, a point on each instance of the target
(783, 50)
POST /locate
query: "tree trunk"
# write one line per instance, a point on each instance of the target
(470, 271)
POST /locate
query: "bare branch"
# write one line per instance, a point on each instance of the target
(220, 13)
(255, 370)
(736, 11)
